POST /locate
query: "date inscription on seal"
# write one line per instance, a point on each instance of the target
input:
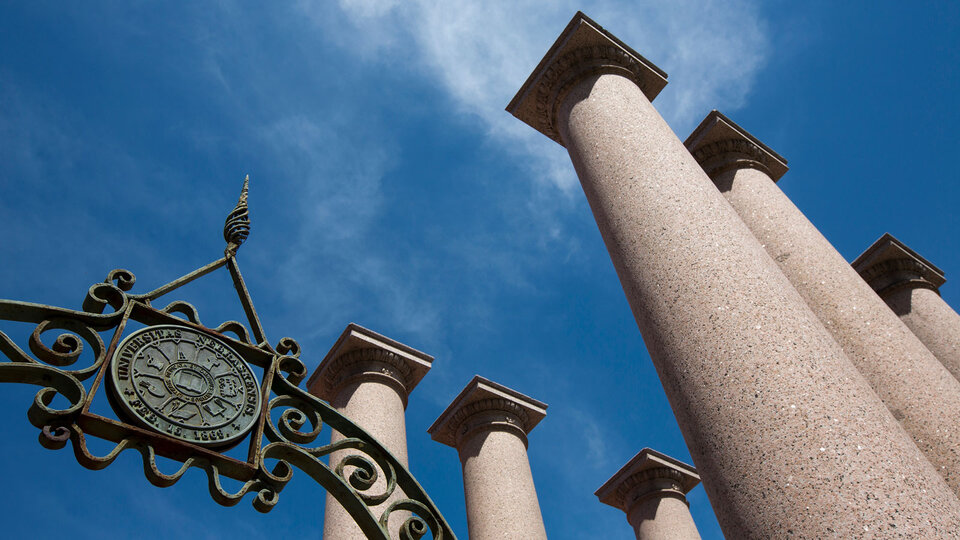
(186, 384)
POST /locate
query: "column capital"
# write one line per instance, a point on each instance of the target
(649, 474)
(361, 354)
(485, 405)
(720, 145)
(583, 49)
(889, 265)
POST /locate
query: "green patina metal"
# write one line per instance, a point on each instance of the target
(276, 445)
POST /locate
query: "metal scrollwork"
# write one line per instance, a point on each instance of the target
(367, 480)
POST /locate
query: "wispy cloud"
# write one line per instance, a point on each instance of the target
(477, 53)
(593, 438)
(333, 259)
(481, 52)
(340, 175)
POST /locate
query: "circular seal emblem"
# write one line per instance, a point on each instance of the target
(186, 384)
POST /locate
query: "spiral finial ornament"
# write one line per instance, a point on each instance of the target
(237, 227)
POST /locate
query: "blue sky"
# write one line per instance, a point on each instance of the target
(390, 188)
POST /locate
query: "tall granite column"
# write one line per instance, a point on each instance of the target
(913, 384)
(651, 488)
(787, 435)
(910, 285)
(488, 425)
(368, 378)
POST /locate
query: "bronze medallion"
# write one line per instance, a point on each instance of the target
(185, 384)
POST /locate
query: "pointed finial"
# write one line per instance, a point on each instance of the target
(237, 226)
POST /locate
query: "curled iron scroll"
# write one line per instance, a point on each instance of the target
(363, 476)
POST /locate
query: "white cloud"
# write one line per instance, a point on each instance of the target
(369, 8)
(478, 54)
(593, 438)
(481, 52)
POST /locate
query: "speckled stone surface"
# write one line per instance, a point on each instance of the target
(910, 285)
(651, 489)
(368, 378)
(787, 435)
(488, 425)
(914, 385)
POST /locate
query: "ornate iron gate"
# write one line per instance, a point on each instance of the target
(188, 392)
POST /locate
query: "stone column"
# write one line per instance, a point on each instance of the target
(910, 285)
(913, 384)
(651, 488)
(368, 378)
(787, 435)
(488, 425)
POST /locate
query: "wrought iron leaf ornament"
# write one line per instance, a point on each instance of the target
(188, 392)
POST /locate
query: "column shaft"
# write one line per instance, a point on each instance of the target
(379, 409)
(498, 485)
(932, 320)
(368, 377)
(786, 434)
(663, 518)
(913, 384)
